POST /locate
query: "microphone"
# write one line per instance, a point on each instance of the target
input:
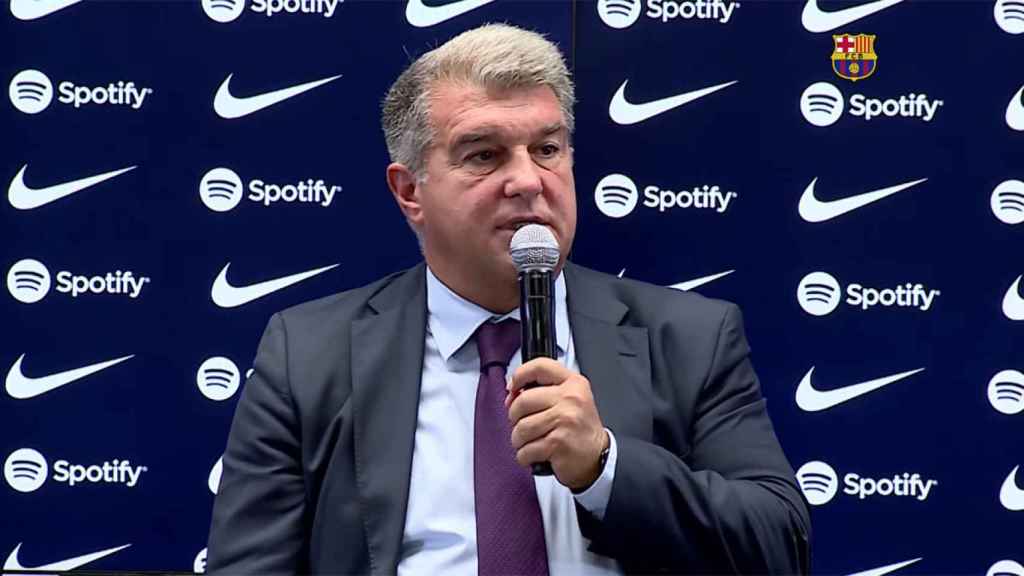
(534, 252)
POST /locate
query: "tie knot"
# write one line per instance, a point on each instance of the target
(497, 342)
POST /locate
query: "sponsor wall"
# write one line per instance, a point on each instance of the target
(846, 171)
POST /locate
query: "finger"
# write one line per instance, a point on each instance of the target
(532, 401)
(541, 371)
(539, 450)
(510, 397)
(533, 427)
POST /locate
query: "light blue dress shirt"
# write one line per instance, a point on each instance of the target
(440, 522)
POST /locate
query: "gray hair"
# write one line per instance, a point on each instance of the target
(494, 55)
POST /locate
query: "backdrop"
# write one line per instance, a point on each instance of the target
(847, 171)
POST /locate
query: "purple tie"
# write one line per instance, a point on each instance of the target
(509, 529)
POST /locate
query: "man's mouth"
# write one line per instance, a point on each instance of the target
(517, 224)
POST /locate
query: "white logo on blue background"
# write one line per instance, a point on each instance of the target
(1006, 568)
(616, 195)
(1010, 15)
(223, 11)
(819, 293)
(25, 470)
(220, 189)
(28, 281)
(1008, 202)
(619, 14)
(822, 104)
(30, 91)
(199, 564)
(218, 378)
(1006, 392)
(818, 481)
(213, 480)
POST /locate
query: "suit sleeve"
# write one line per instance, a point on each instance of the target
(729, 505)
(258, 515)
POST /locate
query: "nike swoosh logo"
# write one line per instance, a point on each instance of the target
(813, 210)
(13, 563)
(817, 20)
(811, 400)
(886, 569)
(691, 284)
(32, 9)
(1015, 111)
(623, 112)
(24, 198)
(1013, 304)
(422, 16)
(227, 296)
(22, 387)
(228, 106)
(1010, 496)
(213, 481)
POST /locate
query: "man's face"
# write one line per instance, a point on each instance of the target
(499, 159)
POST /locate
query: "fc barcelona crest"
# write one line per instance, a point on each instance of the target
(854, 57)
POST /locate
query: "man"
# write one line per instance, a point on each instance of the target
(378, 433)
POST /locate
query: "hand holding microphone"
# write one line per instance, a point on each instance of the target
(556, 426)
(535, 254)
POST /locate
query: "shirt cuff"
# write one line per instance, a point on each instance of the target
(595, 497)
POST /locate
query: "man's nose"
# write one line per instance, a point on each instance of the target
(523, 175)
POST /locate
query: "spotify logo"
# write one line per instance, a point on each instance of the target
(616, 195)
(218, 378)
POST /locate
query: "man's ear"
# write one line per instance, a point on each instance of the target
(403, 185)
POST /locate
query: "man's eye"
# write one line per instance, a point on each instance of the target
(481, 156)
(549, 150)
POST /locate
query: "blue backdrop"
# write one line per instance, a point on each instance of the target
(719, 148)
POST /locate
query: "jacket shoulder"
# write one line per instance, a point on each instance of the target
(653, 306)
(340, 308)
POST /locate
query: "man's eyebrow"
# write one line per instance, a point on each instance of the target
(490, 131)
(482, 133)
(552, 128)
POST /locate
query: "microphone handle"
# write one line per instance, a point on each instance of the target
(537, 316)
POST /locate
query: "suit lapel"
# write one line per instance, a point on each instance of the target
(613, 356)
(386, 387)
(387, 364)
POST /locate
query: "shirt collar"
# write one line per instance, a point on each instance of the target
(453, 320)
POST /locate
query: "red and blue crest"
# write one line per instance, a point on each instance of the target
(854, 57)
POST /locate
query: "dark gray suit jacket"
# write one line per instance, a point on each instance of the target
(316, 471)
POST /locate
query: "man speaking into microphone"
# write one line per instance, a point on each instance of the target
(393, 428)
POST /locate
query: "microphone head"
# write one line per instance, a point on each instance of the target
(533, 247)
